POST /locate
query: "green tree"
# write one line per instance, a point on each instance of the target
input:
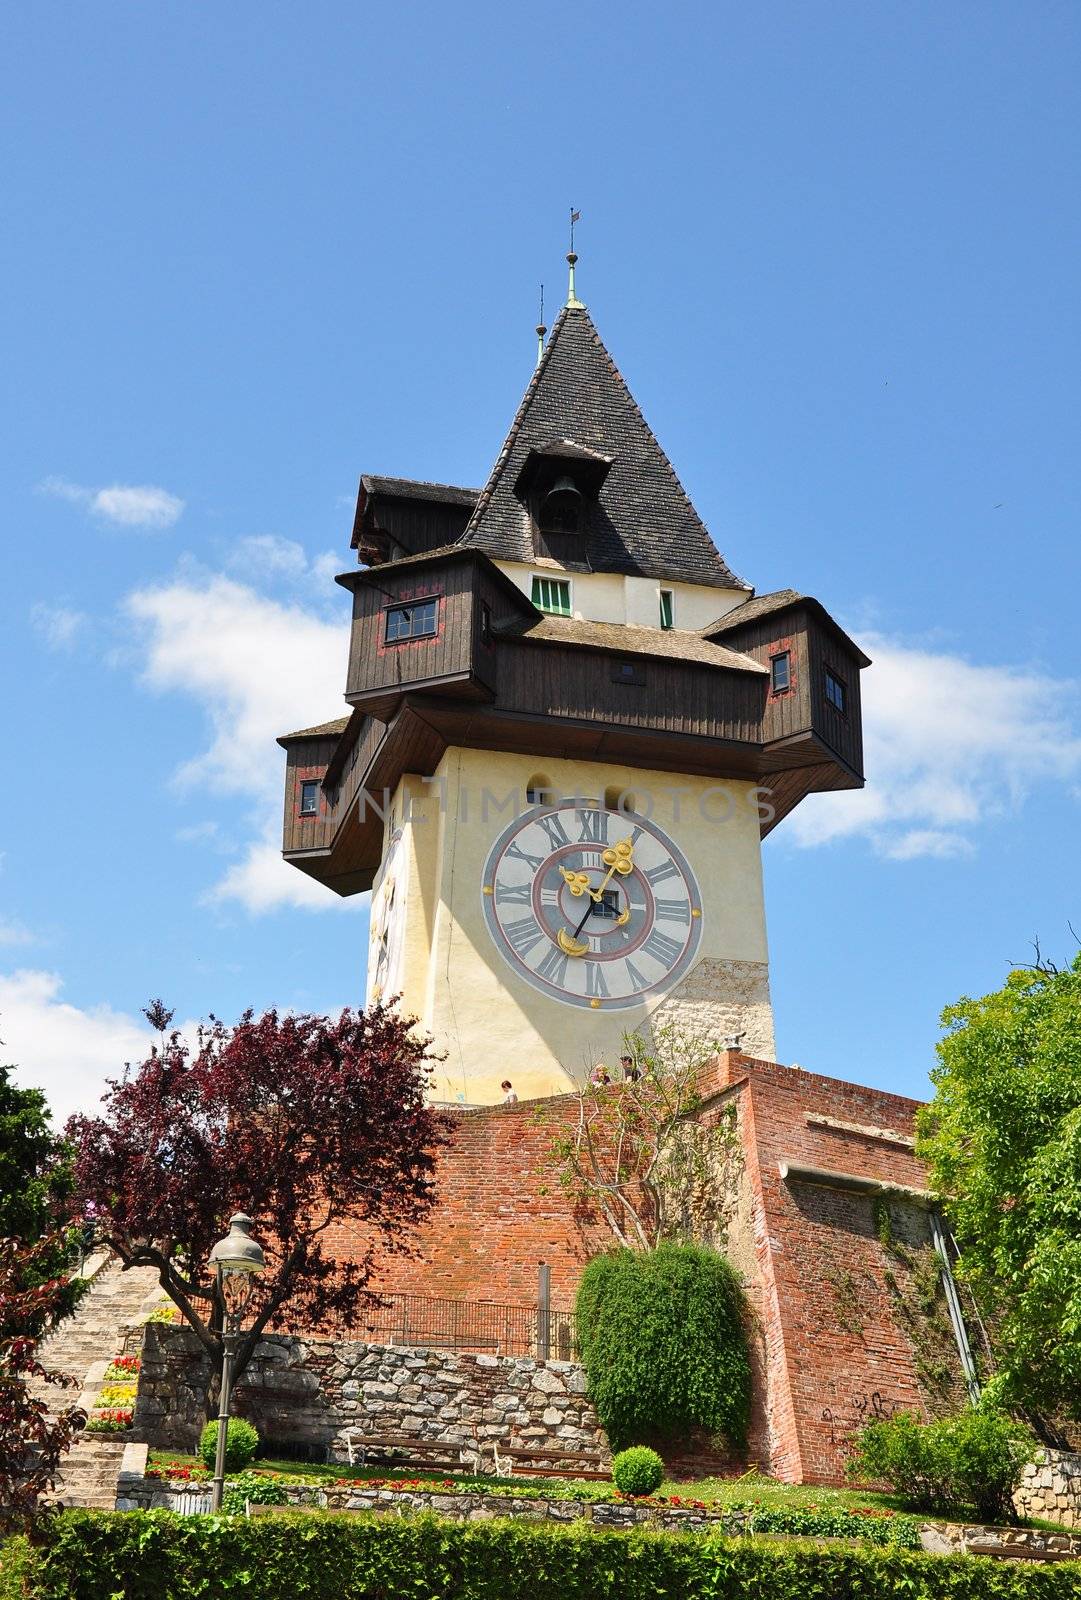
(661, 1334)
(35, 1198)
(1003, 1141)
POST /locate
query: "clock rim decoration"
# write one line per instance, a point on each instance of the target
(618, 859)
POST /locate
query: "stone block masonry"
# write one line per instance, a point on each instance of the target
(311, 1393)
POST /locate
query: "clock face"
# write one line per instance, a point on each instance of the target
(387, 918)
(592, 907)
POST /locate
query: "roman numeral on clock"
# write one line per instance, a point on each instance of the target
(557, 833)
(662, 948)
(523, 934)
(595, 984)
(513, 894)
(593, 827)
(674, 911)
(515, 850)
(554, 968)
(667, 869)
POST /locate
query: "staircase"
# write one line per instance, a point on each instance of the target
(82, 1347)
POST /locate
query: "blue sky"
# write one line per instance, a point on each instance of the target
(251, 251)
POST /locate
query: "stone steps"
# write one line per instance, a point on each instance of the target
(82, 1347)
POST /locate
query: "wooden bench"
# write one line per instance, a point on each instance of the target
(520, 1461)
(1013, 1552)
(447, 1453)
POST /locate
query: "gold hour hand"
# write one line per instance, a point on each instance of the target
(577, 882)
(618, 859)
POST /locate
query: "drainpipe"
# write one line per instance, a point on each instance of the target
(953, 1305)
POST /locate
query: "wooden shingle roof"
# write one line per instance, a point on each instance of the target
(643, 522)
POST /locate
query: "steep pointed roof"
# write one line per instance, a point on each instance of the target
(644, 522)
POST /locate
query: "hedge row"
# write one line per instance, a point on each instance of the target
(293, 1556)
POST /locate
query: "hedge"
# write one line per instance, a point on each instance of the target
(158, 1555)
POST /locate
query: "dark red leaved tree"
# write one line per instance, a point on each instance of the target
(33, 1439)
(303, 1122)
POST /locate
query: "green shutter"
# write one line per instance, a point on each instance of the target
(552, 595)
(666, 608)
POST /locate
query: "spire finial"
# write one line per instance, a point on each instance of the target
(541, 328)
(572, 261)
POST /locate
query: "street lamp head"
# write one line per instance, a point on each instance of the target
(238, 1251)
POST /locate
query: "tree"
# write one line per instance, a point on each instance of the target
(32, 1441)
(36, 1199)
(661, 1334)
(636, 1150)
(1002, 1138)
(305, 1122)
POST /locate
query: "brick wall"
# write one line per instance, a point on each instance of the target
(841, 1284)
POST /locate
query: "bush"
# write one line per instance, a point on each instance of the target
(135, 1555)
(251, 1488)
(637, 1471)
(972, 1462)
(241, 1444)
(662, 1338)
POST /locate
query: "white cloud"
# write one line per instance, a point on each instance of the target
(64, 1049)
(13, 932)
(59, 626)
(258, 667)
(127, 505)
(949, 744)
(262, 882)
(264, 553)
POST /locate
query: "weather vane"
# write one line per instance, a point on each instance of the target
(572, 298)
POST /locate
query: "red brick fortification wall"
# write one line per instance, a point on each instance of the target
(836, 1279)
(501, 1211)
(844, 1278)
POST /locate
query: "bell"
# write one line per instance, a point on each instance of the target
(561, 508)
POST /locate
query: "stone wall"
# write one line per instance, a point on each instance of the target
(1051, 1488)
(311, 1393)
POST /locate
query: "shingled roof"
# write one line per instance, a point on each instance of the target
(621, 639)
(448, 494)
(643, 522)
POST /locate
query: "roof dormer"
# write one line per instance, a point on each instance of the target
(558, 485)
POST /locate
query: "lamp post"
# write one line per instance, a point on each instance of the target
(237, 1261)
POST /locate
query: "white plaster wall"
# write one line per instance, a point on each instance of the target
(610, 597)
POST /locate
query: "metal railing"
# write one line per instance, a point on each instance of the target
(480, 1325)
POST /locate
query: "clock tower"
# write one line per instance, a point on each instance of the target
(569, 727)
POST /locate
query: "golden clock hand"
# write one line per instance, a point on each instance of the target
(622, 861)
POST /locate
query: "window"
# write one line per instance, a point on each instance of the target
(835, 691)
(666, 608)
(485, 622)
(417, 621)
(628, 672)
(309, 797)
(780, 672)
(552, 595)
(538, 791)
(607, 907)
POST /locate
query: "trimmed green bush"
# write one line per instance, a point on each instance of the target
(638, 1470)
(971, 1462)
(252, 1488)
(133, 1555)
(661, 1333)
(241, 1444)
